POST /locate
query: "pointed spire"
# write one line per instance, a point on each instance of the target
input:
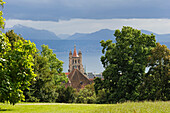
(75, 52)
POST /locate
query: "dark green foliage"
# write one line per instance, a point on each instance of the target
(49, 77)
(102, 97)
(125, 62)
(66, 95)
(98, 85)
(86, 95)
(156, 83)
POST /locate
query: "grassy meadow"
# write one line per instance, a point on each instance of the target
(128, 107)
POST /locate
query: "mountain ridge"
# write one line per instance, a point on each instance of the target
(103, 34)
(30, 33)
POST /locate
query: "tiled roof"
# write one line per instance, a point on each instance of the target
(77, 79)
(67, 73)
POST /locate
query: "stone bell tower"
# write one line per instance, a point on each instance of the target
(75, 61)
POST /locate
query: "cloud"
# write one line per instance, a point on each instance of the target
(159, 26)
(54, 10)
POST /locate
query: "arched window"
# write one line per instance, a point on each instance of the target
(75, 61)
(72, 61)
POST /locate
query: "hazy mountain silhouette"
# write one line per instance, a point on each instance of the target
(31, 33)
(106, 34)
(103, 34)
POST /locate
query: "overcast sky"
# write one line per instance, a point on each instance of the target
(70, 16)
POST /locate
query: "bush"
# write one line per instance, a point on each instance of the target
(66, 95)
(87, 95)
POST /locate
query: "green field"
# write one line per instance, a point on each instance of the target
(128, 107)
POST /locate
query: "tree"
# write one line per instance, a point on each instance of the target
(16, 70)
(86, 95)
(156, 84)
(125, 62)
(66, 95)
(49, 77)
(13, 37)
(99, 85)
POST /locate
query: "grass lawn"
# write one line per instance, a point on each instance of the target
(128, 107)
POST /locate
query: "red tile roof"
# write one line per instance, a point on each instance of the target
(67, 73)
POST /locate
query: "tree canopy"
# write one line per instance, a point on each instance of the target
(49, 77)
(16, 68)
(156, 81)
(125, 62)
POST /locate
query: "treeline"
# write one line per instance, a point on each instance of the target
(30, 75)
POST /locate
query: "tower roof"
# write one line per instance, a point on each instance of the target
(75, 52)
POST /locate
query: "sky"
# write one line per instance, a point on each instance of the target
(85, 16)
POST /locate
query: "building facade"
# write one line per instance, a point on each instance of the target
(75, 61)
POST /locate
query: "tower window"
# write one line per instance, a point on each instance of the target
(75, 61)
(75, 67)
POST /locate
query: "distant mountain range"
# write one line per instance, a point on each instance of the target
(30, 33)
(104, 34)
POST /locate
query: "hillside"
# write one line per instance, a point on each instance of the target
(31, 33)
(104, 34)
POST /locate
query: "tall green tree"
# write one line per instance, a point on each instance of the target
(16, 70)
(49, 77)
(15, 66)
(125, 62)
(156, 81)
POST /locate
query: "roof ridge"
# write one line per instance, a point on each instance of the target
(83, 74)
(73, 74)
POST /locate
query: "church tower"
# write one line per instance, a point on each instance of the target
(75, 61)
